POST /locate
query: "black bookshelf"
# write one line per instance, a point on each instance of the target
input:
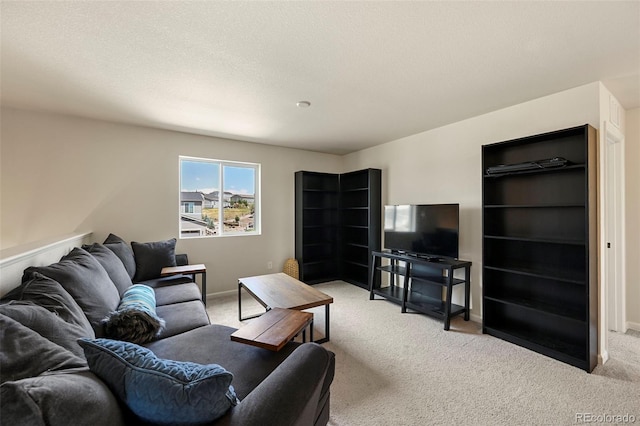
(539, 246)
(361, 216)
(316, 226)
(338, 225)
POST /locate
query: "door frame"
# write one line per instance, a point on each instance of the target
(613, 246)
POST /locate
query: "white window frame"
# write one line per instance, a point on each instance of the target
(257, 216)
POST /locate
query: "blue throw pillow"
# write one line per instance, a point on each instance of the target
(135, 319)
(158, 390)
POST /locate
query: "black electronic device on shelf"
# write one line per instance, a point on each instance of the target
(547, 163)
(427, 231)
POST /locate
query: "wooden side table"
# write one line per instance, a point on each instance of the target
(189, 270)
(275, 328)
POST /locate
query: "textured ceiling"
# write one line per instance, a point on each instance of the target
(373, 71)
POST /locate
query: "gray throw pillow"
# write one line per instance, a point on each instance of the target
(86, 280)
(112, 264)
(24, 353)
(152, 257)
(121, 249)
(45, 292)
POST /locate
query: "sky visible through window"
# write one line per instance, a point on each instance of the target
(200, 176)
(203, 176)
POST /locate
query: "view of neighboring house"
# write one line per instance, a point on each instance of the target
(212, 199)
(191, 204)
(242, 197)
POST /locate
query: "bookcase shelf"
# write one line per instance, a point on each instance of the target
(539, 252)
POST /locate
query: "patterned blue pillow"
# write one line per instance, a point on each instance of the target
(158, 390)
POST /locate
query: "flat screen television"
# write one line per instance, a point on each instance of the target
(428, 230)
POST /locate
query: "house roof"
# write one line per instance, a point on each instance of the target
(190, 196)
(373, 71)
(243, 196)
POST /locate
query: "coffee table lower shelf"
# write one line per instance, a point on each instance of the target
(275, 328)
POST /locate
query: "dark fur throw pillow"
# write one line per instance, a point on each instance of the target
(135, 320)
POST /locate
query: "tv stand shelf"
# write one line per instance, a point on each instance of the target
(423, 282)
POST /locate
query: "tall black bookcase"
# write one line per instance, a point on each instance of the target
(338, 225)
(539, 270)
(360, 215)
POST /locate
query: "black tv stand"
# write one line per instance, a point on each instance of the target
(423, 256)
(429, 257)
(424, 279)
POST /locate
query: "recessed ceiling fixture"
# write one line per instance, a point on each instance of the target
(303, 104)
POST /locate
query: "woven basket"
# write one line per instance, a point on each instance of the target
(291, 268)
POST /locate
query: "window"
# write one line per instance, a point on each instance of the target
(218, 198)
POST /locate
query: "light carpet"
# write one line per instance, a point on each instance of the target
(404, 369)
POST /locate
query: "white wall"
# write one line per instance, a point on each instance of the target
(444, 164)
(632, 181)
(61, 174)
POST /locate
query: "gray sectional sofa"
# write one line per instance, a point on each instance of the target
(58, 368)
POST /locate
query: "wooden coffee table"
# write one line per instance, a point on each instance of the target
(282, 291)
(275, 328)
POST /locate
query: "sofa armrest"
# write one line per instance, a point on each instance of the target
(290, 395)
(182, 259)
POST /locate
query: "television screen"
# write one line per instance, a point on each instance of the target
(422, 229)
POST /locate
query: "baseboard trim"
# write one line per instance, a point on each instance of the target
(633, 325)
(603, 357)
(221, 294)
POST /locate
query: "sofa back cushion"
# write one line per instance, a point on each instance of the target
(121, 249)
(25, 353)
(45, 292)
(61, 399)
(47, 324)
(86, 280)
(112, 264)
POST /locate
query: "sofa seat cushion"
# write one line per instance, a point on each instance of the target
(112, 264)
(25, 353)
(168, 295)
(212, 344)
(167, 281)
(181, 317)
(161, 391)
(59, 399)
(86, 280)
